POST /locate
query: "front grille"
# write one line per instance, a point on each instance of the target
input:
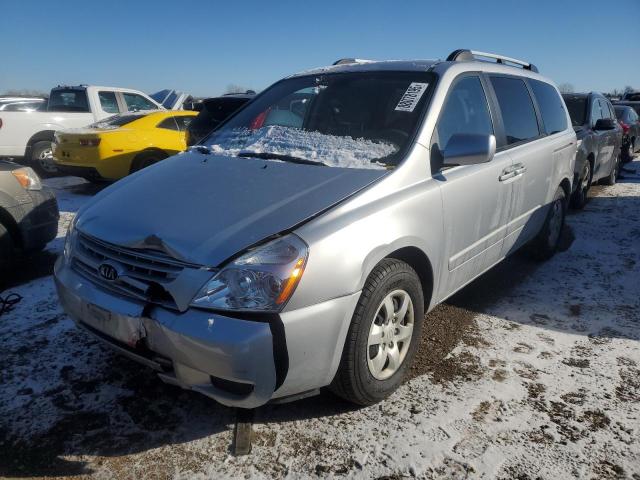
(141, 274)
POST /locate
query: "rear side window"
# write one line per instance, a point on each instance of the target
(108, 102)
(551, 106)
(518, 114)
(68, 100)
(465, 111)
(169, 124)
(137, 102)
(183, 121)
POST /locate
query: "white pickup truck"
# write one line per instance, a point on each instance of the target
(29, 135)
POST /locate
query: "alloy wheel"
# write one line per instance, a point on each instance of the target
(390, 334)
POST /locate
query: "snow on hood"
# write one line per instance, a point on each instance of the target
(331, 150)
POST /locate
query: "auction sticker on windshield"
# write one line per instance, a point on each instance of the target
(411, 97)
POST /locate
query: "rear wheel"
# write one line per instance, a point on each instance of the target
(546, 243)
(384, 334)
(42, 159)
(146, 159)
(580, 197)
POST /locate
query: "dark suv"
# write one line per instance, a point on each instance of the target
(599, 142)
(213, 112)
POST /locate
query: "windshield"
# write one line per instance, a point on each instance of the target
(116, 121)
(354, 120)
(577, 107)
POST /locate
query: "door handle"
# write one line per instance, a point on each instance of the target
(507, 173)
(519, 168)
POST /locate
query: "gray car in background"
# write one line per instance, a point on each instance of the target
(28, 213)
(599, 142)
(300, 244)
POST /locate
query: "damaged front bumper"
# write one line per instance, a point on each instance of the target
(228, 359)
(241, 361)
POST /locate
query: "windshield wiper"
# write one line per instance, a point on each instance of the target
(282, 157)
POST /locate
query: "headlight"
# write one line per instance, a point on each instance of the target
(27, 178)
(70, 239)
(263, 279)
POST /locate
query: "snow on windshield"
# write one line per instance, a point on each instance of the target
(334, 151)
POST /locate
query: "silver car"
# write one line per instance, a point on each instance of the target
(300, 244)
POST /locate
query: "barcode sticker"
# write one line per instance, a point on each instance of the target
(411, 97)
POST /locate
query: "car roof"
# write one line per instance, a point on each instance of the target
(438, 66)
(371, 66)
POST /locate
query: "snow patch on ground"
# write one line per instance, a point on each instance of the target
(547, 386)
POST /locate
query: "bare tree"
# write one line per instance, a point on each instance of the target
(628, 89)
(24, 93)
(566, 88)
(234, 88)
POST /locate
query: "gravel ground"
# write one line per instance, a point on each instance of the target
(532, 371)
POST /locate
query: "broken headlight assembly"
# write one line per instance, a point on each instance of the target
(263, 279)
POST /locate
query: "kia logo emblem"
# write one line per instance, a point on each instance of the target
(108, 272)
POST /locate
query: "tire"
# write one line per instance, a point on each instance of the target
(40, 152)
(613, 174)
(361, 378)
(581, 196)
(144, 160)
(6, 248)
(545, 244)
(627, 153)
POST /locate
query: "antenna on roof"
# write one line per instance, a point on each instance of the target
(464, 55)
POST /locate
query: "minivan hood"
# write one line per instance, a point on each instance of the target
(204, 209)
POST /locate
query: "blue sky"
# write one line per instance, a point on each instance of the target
(203, 46)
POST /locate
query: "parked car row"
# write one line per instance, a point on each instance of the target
(28, 133)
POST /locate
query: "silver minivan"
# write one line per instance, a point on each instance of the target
(300, 244)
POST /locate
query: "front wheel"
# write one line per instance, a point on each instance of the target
(580, 197)
(6, 248)
(546, 243)
(384, 334)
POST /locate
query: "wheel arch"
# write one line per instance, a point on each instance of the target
(565, 184)
(419, 261)
(41, 136)
(8, 222)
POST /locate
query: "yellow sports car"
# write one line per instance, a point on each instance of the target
(119, 145)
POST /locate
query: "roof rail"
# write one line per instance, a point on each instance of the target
(462, 55)
(344, 61)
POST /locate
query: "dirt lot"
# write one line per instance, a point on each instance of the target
(532, 371)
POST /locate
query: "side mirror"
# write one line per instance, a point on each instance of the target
(469, 149)
(605, 124)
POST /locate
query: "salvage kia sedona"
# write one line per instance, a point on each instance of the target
(300, 244)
